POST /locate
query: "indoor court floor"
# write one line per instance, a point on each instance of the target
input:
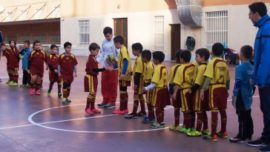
(42, 124)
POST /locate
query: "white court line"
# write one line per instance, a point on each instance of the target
(66, 120)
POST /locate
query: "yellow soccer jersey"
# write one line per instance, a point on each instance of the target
(173, 72)
(138, 66)
(184, 76)
(218, 71)
(124, 54)
(199, 74)
(148, 71)
(160, 76)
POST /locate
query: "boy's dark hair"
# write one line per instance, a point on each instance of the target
(93, 46)
(158, 55)
(53, 46)
(146, 54)
(177, 55)
(107, 30)
(67, 44)
(27, 42)
(137, 46)
(247, 51)
(203, 52)
(186, 56)
(9, 42)
(258, 7)
(217, 49)
(118, 39)
(35, 42)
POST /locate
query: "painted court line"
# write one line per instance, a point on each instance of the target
(32, 123)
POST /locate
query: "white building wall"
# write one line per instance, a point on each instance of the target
(240, 29)
(140, 29)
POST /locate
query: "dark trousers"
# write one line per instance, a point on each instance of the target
(26, 78)
(264, 93)
(244, 119)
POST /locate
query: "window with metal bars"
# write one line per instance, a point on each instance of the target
(159, 33)
(84, 31)
(216, 27)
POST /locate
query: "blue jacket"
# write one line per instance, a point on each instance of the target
(25, 53)
(261, 74)
(243, 75)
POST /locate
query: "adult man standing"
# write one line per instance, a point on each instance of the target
(258, 15)
(109, 78)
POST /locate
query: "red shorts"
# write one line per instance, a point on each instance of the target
(67, 78)
(162, 97)
(90, 84)
(124, 83)
(37, 72)
(218, 95)
(53, 76)
(198, 104)
(186, 100)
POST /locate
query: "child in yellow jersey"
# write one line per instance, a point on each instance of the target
(138, 83)
(158, 84)
(147, 76)
(218, 81)
(200, 106)
(176, 103)
(183, 82)
(125, 74)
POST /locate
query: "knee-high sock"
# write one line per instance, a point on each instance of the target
(160, 114)
(135, 106)
(142, 104)
(187, 120)
(214, 120)
(176, 117)
(151, 112)
(223, 116)
(123, 101)
(50, 86)
(204, 120)
(59, 87)
(199, 121)
(192, 120)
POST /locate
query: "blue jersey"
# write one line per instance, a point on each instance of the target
(243, 77)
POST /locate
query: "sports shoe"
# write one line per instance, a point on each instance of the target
(258, 143)
(8, 82)
(59, 95)
(157, 125)
(223, 135)
(31, 91)
(206, 132)
(65, 101)
(123, 112)
(89, 111)
(184, 130)
(48, 93)
(175, 128)
(109, 106)
(131, 116)
(13, 84)
(101, 105)
(116, 111)
(147, 120)
(38, 92)
(265, 149)
(194, 133)
(213, 137)
(141, 114)
(96, 111)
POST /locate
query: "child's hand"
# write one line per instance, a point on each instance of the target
(47, 68)
(56, 71)
(174, 96)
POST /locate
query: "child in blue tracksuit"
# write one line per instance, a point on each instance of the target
(242, 95)
(25, 52)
